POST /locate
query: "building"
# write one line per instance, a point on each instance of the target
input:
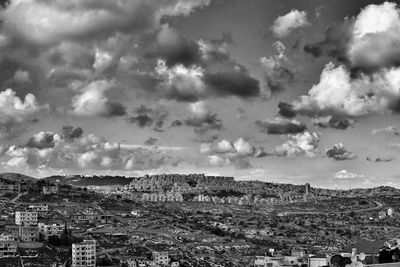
(39, 208)
(317, 261)
(7, 186)
(84, 254)
(308, 188)
(25, 233)
(50, 189)
(8, 246)
(390, 212)
(161, 257)
(54, 229)
(26, 218)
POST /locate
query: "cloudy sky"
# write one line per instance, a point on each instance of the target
(285, 91)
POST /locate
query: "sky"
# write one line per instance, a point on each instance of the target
(286, 91)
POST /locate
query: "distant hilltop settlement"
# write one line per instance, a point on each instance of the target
(214, 189)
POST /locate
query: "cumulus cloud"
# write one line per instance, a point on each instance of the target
(281, 126)
(16, 112)
(390, 129)
(225, 153)
(339, 152)
(299, 144)
(57, 151)
(285, 24)
(202, 119)
(92, 101)
(338, 94)
(344, 174)
(180, 82)
(278, 69)
(376, 28)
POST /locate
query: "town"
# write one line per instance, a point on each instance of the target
(191, 220)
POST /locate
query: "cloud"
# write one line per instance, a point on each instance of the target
(286, 110)
(390, 129)
(69, 132)
(202, 119)
(225, 153)
(237, 82)
(278, 69)
(344, 174)
(380, 159)
(92, 101)
(57, 151)
(180, 82)
(281, 126)
(42, 140)
(87, 18)
(333, 122)
(215, 49)
(285, 24)
(339, 152)
(175, 49)
(299, 144)
(375, 28)
(338, 94)
(15, 112)
(146, 116)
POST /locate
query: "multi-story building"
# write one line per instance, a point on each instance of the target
(26, 218)
(161, 257)
(84, 254)
(25, 233)
(39, 208)
(8, 246)
(54, 229)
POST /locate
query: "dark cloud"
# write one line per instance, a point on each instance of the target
(147, 116)
(69, 132)
(380, 159)
(286, 110)
(204, 123)
(333, 122)
(151, 141)
(115, 109)
(237, 83)
(280, 78)
(176, 123)
(337, 38)
(281, 126)
(339, 152)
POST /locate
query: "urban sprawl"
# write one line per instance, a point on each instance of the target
(193, 220)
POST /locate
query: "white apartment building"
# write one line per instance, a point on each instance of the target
(26, 218)
(84, 254)
(39, 208)
(51, 229)
(161, 257)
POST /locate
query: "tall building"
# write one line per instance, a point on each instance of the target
(26, 218)
(161, 257)
(84, 254)
(308, 188)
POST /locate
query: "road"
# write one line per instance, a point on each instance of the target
(378, 206)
